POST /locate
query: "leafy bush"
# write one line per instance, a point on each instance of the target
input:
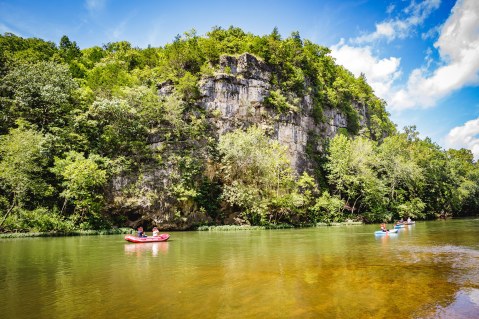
(39, 220)
(328, 208)
(279, 102)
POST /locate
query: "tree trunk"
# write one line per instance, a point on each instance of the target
(8, 211)
(64, 205)
(354, 205)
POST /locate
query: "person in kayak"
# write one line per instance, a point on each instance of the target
(156, 232)
(141, 233)
(383, 227)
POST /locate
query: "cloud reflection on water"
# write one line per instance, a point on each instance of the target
(464, 261)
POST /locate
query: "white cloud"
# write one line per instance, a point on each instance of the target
(380, 73)
(94, 5)
(466, 136)
(458, 46)
(391, 29)
(5, 29)
(460, 33)
(118, 32)
(431, 33)
(119, 29)
(390, 8)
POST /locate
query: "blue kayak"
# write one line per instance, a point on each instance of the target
(404, 225)
(380, 232)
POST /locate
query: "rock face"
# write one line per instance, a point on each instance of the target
(237, 94)
(234, 96)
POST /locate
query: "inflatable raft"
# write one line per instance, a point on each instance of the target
(134, 239)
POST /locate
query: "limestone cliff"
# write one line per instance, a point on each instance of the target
(238, 91)
(235, 97)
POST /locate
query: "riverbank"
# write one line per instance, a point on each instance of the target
(119, 231)
(279, 226)
(113, 231)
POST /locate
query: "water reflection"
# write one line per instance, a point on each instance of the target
(462, 301)
(386, 238)
(146, 248)
(465, 305)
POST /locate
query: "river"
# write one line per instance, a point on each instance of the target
(427, 270)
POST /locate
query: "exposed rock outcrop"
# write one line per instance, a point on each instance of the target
(235, 96)
(238, 92)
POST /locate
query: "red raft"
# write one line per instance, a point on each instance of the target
(134, 239)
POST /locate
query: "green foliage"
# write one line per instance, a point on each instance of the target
(83, 180)
(106, 78)
(77, 124)
(40, 220)
(242, 227)
(173, 113)
(279, 102)
(255, 170)
(413, 209)
(90, 232)
(187, 88)
(328, 208)
(69, 50)
(118, 126)
(401, 177)
(317, 113)
(22, 162)
(92, 56)
(16, 50)
(40, 93)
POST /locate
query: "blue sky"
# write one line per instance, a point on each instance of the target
(421, 56)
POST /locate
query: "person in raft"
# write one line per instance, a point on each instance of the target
(383, 227)
(141, 233)
(156, 232)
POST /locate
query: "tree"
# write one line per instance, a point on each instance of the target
(83, 182)
(40, 93)
(69, 50)
(108, 76)
(16, 50)
(255, 170)
(117, 128)
(337, 166)
(435, 187)
(22, 161)
(351, 168)
(400, 172)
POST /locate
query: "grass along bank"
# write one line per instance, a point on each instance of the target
(279, 226)
(113, 231)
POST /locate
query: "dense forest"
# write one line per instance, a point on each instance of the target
(72, 121)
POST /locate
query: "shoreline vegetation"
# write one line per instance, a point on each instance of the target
(115, 135)
(210, 228)
(279, 226)
(127, 231)
(112, 231)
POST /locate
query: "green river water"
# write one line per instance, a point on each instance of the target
(428, 270)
